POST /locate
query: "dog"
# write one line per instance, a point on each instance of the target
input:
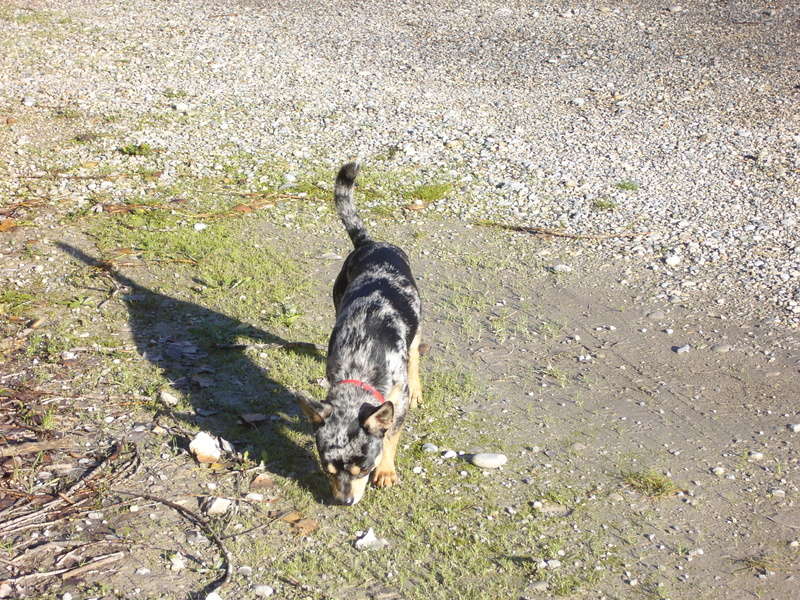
(373, 359)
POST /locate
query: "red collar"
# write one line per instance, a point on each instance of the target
(365, 386)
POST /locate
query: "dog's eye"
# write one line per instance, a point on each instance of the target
(354, 470)
(331, 469)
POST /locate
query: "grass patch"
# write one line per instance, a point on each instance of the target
(628, 185)
(13, 302)
(430, 192)
(650, 483)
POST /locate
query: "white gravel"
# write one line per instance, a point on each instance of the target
(677, 121)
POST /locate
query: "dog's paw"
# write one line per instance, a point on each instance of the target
(415, 400)
(385, 478)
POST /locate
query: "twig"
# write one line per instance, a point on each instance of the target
(302, 346)
(68, 572)
(257, 527)
(33, 447)
(199, 521)
(96, 562)
(556, 233)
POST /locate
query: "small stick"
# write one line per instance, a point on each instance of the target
(556, 233)
(96, 562)
(257, 527)
(197, 520)
(33, 447)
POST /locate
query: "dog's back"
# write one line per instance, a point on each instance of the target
(376, 300)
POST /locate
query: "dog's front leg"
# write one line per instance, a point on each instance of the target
(385, 474)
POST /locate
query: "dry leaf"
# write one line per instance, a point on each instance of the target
(8, 225)
(262, 482)
(292, 517)
(243, 208)
(305, 526)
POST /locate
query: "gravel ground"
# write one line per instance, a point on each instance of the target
(596, 118)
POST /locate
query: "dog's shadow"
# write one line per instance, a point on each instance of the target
(195, 348)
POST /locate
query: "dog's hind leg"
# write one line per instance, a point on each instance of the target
(414, 385)
(385, 474)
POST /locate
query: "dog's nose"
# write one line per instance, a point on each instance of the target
(349, 501)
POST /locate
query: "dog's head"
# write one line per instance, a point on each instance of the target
(349, 434)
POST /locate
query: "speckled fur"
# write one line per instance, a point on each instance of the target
(377, 323)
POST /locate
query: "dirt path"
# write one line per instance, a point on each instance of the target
(613, 436)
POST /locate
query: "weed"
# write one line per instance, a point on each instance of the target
(137, 150)
(87, 137)
(761, 564)
(559, 376)
(604, 204)
(68, 113)
(13, 302)
(628, 185)
(650, 483)
(173, 94)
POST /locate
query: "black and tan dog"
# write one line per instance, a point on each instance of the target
(373, 359)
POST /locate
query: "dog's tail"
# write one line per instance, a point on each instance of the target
(343, 196)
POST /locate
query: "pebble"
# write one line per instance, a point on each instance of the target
(449, 454)
(721, 348)
(205, 447)
(218, 506)
(656, 315)
(417, 470)
(682, 349)
(180, 107)
(245, 571)
(561, 269)
(488, 460)
(263, 591)
(369, 541)
(778, 493)
(553, 564)
(673, 260)
(28, 101)
(718, 471)
(430, 447)
(177, 562)
(756, 455)
(538, 586)
(794, 427)
(143, 571)
(167, 398)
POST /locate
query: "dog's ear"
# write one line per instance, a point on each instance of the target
(379, 421)
(316, 412)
